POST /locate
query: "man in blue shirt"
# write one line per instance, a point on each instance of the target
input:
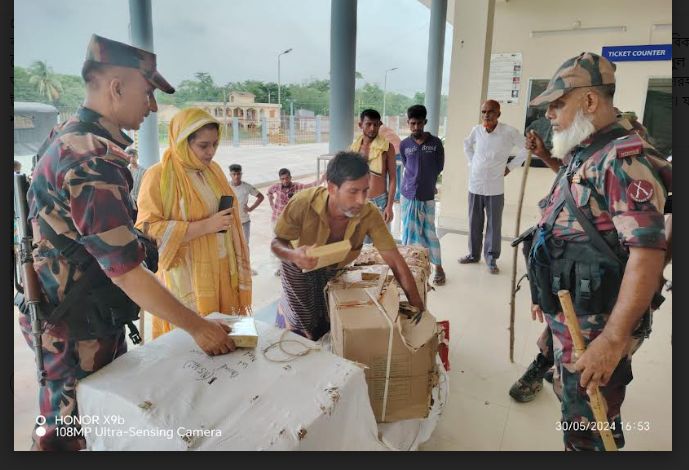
(423, 157)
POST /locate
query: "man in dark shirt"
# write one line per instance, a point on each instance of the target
(423, 158)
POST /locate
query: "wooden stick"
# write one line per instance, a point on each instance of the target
(596, 400)
(142, 326)
(513, 292)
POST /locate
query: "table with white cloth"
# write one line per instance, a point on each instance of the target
(170, 395)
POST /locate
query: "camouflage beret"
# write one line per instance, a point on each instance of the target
(586, 69)
(107, 51)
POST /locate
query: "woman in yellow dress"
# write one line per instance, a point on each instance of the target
(178, 202)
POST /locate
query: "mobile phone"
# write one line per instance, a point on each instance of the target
(225, 203)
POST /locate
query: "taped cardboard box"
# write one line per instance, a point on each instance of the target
(366, 327)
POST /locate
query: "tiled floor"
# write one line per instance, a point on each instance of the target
(479, 415)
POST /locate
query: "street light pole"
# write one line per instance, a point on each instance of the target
(385, 87)
(282, 53)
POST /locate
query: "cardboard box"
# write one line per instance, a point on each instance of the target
(329, 254)
(416, 258)
(366, 327)
(244, 332)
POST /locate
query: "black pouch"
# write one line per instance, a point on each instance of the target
(588, 295)
(103, 312)
(151, 249)
(644, 329)
(540, 278)
(561, 272)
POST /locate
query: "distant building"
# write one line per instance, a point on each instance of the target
(242, 105)
(166, 112)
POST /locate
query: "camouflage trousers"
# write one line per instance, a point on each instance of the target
(66, 361)
(574, 401)
(545, 344)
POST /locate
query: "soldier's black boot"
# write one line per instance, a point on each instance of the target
(529, 384)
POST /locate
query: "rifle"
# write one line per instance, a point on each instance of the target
(29, 290)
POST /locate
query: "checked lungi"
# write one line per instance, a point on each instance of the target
(303, 307)
(418, 226)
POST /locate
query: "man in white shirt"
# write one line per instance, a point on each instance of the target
(243, 190)
(488, 148)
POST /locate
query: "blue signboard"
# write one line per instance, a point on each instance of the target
(638, 53)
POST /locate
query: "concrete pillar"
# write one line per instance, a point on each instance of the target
(434, 68)
(235, 131)
(141, 36)
(264, 131)
(342, 71)
(292, 133)
(318, 129)
(471, 49)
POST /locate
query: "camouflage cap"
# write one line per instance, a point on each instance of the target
(586, 69)
(107, 51)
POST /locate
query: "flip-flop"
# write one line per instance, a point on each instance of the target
(439, 279)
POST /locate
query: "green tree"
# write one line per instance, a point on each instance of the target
(23, 90)
(73, 91)
(313, 95)
(47, 84)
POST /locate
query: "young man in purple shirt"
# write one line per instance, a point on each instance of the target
(423, 157)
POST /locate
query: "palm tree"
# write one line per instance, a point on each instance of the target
(45, 81)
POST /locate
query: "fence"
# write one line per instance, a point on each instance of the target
(288, 130)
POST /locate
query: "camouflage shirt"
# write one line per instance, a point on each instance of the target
(622, 187)
(80, 187)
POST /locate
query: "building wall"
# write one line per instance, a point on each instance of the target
(513, 22)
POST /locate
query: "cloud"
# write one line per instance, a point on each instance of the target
(234, 40)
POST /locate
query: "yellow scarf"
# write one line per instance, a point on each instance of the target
(176, 188)
(376, 153)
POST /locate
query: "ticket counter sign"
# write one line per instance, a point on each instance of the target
(638, 53)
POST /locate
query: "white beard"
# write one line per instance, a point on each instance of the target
(577, 132)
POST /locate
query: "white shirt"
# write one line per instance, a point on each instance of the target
(487, 153)
(242, 192)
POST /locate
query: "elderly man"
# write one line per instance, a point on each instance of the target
(531, 382)
(88, 254)
(318, 216)
(488, 149)
(601, 236)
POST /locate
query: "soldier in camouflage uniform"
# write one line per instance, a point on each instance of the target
(80, 189)
(606, 244)
(531, 382)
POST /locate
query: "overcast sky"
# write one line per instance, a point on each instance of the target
(236, 40)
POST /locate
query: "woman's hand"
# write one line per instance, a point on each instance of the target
(219, 221)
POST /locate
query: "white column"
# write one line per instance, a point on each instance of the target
(471, 49)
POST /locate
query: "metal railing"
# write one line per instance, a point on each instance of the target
(288, 130)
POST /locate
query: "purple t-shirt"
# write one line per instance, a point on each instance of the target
(422, 165)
